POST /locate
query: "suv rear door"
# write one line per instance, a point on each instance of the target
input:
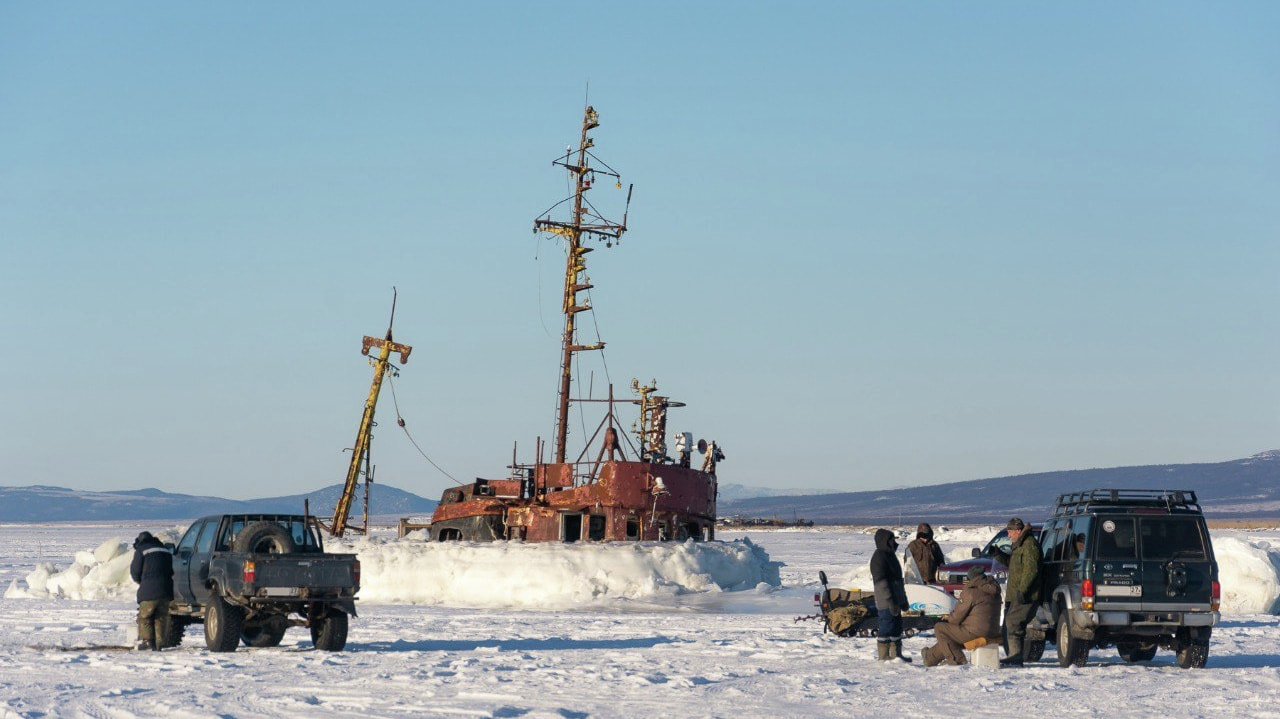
(1177, 562)
(1118, 575)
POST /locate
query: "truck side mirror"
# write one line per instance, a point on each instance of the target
(975, 553)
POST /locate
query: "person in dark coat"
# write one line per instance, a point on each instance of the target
(891, 596)
(152, 569)
(1022, 589)
(927, 554)
(977, 614)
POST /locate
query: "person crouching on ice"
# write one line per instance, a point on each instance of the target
(977, 614)
(891, 596)
(152, 569)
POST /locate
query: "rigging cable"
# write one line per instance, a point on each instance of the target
(400, 421)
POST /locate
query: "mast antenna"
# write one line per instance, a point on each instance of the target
(583, 224)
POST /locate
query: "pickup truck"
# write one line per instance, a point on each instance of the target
(249, 577)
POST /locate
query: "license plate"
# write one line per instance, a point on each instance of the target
(281, 591)
(1111, 590)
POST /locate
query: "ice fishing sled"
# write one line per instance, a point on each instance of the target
(852, 612)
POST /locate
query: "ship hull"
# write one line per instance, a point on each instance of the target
(619, 501)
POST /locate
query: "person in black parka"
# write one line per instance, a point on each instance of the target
(891, 596)
(152, 569)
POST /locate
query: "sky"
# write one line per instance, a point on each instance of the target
(870, 245)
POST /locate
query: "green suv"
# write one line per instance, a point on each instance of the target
(1132, 568)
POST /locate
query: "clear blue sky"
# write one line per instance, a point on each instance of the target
(872, 244)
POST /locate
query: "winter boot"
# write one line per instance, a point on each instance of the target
(882, 650)
(931, 658)
(895, 651)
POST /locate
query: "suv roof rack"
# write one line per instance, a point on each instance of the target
(1171, 499)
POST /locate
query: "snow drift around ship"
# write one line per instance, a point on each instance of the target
(500, 574)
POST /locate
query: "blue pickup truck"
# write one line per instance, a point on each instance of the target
(249, 577)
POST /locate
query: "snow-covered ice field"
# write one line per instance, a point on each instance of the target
(578, 631)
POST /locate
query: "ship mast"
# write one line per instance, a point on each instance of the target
(584, 224)
(364, 437)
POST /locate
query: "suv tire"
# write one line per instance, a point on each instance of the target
(263, 538)
(1071, 651)
(267, 634)
(1033, 649)
(1136, 652)
(329, 632)
(171, 632)
(222, 623)
(1192, 653)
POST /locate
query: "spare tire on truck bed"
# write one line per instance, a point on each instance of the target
(263, 538)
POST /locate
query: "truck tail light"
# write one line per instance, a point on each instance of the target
(355, 572)
(1086, 594)
(817, 598)
(1215, 596)
(250, 571)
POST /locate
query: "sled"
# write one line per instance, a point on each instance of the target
(852, 612)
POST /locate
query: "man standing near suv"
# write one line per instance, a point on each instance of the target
(1022, 592)
(152, 569)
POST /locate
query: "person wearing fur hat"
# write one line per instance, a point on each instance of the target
(977, 614)
(152, 569)
(891, 596)
(926, 553)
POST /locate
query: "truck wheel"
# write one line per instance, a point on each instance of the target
(1192, 653)
(222, 624)
(172, 631)
(329, 632)
(1034, 647)
(267, 634)
(1070, 650)
(1135, 652)
(263, 538)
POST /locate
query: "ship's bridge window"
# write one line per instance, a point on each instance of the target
(595, 527)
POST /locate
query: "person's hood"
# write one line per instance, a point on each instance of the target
(924, 530)
(983, 583)
(886, 540)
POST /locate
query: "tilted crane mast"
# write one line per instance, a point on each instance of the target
(585, 223)
(360, 452)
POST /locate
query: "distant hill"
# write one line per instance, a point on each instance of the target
(731, 492)
(57, 504)
(1239, 489)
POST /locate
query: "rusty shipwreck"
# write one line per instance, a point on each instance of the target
(613, 490)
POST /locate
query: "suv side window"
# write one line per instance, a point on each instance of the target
(206, 537)
(1078, 535)
(1117, 538)
(188, 541)
(1049, 541)
(1172, 538)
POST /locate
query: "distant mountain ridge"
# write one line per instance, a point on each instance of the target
(1246, 488)
(41, 503)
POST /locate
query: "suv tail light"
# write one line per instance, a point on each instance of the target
(1086, 594)
(355, 572)
(250, 571)
(1215, 596)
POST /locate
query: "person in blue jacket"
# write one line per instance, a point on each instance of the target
(891, 596)
(152, 569)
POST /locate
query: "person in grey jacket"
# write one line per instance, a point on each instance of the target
(891, 596)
